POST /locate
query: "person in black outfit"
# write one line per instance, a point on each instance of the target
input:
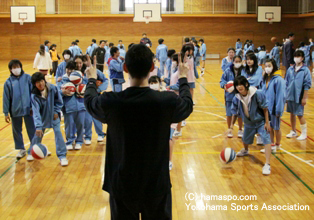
(100, 53)
(137, 149)
(145, 40)
(288, 51)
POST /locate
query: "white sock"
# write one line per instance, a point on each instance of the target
(303, 129)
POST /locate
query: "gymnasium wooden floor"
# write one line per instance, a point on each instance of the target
(45, 190)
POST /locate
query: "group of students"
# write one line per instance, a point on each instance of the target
(260, 96)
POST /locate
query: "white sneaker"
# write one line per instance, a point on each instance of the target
(259, 140)
(240, 134)
(302, 137)
(69, 147)
(230, 134)
(266, 169)
(177, 133)
(278, 146)
(243, 153)
(183, 124)
(100, 139)
(273, 149)
(292, 134)
(64, 162)
(170, 165)
(49, 153)
(78, 147)
(202, 73)
(21, 154)
(29, 157)
(88, 142)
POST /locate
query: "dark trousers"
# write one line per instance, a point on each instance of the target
(100, 67)
(54, 68)
(159, 208)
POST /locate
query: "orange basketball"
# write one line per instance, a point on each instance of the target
(273, 39)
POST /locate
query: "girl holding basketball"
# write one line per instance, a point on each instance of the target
(229, 74)
(274, 88)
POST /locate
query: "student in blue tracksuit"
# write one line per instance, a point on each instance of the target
(73, 111)
(89, 49)
(168, 65)
(47, 103)
(75, 50)
(115, 64)
(47, 45)
(253, 108)
(238, 44)
(274, 88)
(93, 46)
(107, 56)
(161, 54)
(227, 61)
(17, 104)
(306, 49)
(250, 47)
(312, 55)
(262, 55)
(122, 51)
(252, 71)
(203, 55)
(197, 57)
(67, 55)
(298, 83)
(121, 44)
(275, 54)
(229, 74)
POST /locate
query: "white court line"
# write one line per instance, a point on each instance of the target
(209, 113)
(305, 161)
(27, 144)
(218, 135)
(189, 142)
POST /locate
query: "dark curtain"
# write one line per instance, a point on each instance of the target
(170, 5)
(121, 5)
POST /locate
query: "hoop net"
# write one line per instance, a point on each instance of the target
(270, 20)
(147, 18)
(22, 21)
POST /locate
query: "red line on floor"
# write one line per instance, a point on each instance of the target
(5, 126)
(296, 129)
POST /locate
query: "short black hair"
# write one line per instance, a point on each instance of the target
(53, 45)
(130, 45)
(201, 40)
(102, 41)
(144, 34)
(302, 44)
(154, 79)
(139, 60)
(74, 43)
(113, 50)
(38, 76)
(67, 52)
(187, 39)
(77, 41)
(241, 80)
(231, 48)
(94, 40)
(171, 52)
(291, 34)
(160, 41)
(238, 39)
(71, 65)
(14, 62)
(237, 56)
(120, 40)
(299, 53)
(47, 42)
(277, 44)
(111, 44)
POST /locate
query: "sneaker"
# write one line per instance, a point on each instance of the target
(88, 142)
(273, 149)
(230, 134)
(177, 133)
(21, 154)
(100, 139)
(29, 157)
(78, 147)
(183, 124)
(49, 153)
(64, 162)
(278, 146)
(266, 169)
(243, 153)
(259, 140)
(69, 147)
(170, 165)
(292, 134)
(202, 73)
(302, 137)
(240, 134)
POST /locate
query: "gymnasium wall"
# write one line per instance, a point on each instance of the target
(219, 33)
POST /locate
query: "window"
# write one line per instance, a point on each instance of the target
(129, 4)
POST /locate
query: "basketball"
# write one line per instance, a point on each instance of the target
(80, 90)
(39, 151)
(76, 77)
(70, 86)
(230, 87)
(273, 39)
(227, 155)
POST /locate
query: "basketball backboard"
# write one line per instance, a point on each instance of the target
(23, 14)
(147, 13)
(269, 14)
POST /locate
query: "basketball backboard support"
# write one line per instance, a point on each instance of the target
(23, 14)
(269, 14)
(147, 13)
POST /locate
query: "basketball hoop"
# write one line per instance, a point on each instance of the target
(21, 21)
(270, 20)
(147, 19)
